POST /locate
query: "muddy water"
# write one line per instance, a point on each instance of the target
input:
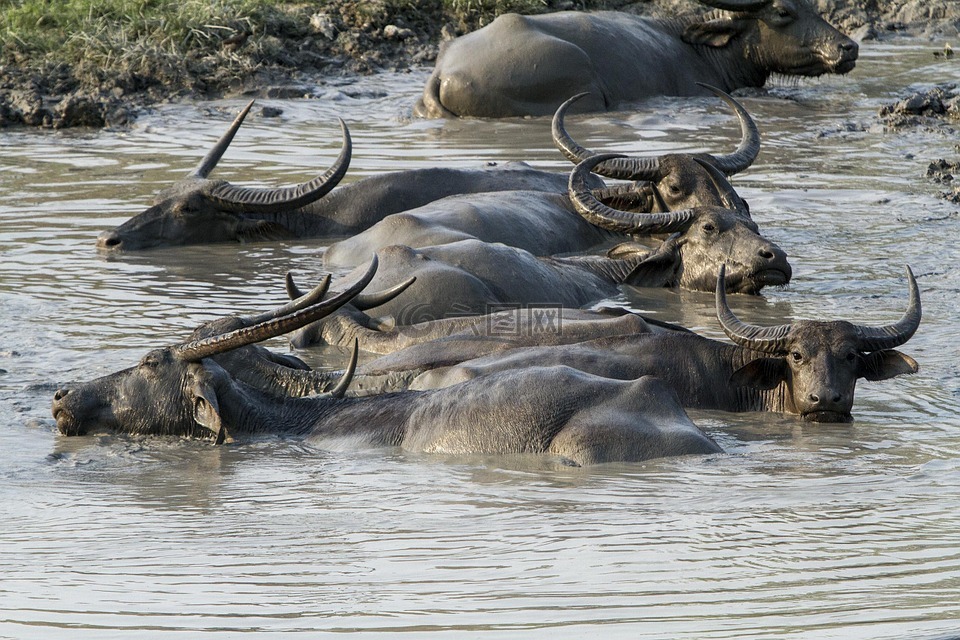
(799, 530)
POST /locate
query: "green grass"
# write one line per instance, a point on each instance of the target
(185, 43)
(119, 34)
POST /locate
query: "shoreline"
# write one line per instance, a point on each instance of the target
(289, 56)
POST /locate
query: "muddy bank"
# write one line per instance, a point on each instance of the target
(290, 57)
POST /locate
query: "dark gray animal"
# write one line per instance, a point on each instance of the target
(198, 210)
(546, 223)
(671, 181)
(506, 326)
(558, 411)
(528, 65)
(469, 277)
(808, 368)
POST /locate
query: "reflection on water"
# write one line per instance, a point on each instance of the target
(800, 530)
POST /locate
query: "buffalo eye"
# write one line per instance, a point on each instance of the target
(851, 356)
(797, 356)
(150, 362)
(783, 12)
(709, 227)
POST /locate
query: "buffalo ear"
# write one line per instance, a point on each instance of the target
(659, 269)
(262, 230)
(762, 373)
(713, 33)
(626, 250)
(882, 365)
(206, 409)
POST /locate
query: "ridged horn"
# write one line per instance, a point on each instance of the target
(272, 200)
(731, 199)
(293, 291)
(599, 214)
(347, 377)
(894, 335)
(296, 303)
(736, 5)
(206, 347)
(621, 168)
(216, 152)
(765, 339)
(365, 301)
(749, 147)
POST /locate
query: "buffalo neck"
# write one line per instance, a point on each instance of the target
(610, 270)
(733, 65)
(246, 411)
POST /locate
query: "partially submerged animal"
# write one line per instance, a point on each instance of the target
(583, 419)
(528, 65)
(809, 368)
(200, 210)
(470, 277)
(545, 223)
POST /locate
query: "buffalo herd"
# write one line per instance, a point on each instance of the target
(440, 256)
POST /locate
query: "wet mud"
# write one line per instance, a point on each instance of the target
(351, 38)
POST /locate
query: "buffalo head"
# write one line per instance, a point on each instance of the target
(819, 362)
(171, 390)
(704, 239)
(671, 181)
(199, 210)
(778, 36)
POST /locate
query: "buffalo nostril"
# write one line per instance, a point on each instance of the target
(61, 394)
(837, 398)
(848, 46)
(111, 242)
(814, 398)
(766, 254)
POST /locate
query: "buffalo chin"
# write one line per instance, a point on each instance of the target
(827, 416)
(68, 426)
(771, 278)
(844, 66)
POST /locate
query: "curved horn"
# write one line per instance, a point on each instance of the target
(216, 152)
(731, 199)
(365, 301)
(894, 335)
(765, 339)
(347, 377)
(749, 146)
(273, 200)
(293, 291)
(736, 5)
(206, 347)
(599, 214)
(622, 168)
(300, 301)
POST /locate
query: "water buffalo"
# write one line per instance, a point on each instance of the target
(470, 276)
(546, 223)
(558, 411)
(528, 65)
(198, 210)
(679, 180)
(808, 368)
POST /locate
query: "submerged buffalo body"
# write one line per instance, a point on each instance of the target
(200, 210)
(808, 368)
(528, 65)
(547, 223)
(470, 276)
(558, 411)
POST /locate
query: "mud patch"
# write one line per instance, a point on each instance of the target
(932, 108)
(946, 173)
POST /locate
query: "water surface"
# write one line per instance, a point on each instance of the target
(798, 531)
